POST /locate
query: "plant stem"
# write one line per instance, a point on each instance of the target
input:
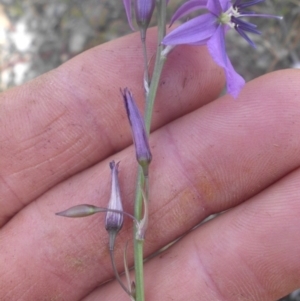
(138, 244)
(112, 258)
(159, 62)
(146, 72)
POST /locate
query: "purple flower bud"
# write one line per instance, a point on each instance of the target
(127, 5)
(138, 130)
(114, 221)
(143, 12)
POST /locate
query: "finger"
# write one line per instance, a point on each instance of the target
(249, 253)
(72, 117)
(206, 162)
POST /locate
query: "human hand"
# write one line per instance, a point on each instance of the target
(58, 134)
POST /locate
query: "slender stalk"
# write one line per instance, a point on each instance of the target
(159, 62)
(112, 258)
(146, 71)
(138, 245)
(126, 266)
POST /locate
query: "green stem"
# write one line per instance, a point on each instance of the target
(159, 62)
(146, 72)
(138, 245)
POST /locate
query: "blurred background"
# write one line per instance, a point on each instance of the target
(39, 35)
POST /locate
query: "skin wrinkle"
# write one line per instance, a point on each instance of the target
(203, 186)
(87, 108)
(250, 299)
(47, 127)
(209, 279)
(76, 266)
(10, 189)
(43, 147)
(27, 291)
(177, 154)
(256, 279)
(229, 288)
(33, 122)
(258, 155)
(157, 217)
(260, 237)
(178, 216)
(256, 282)
(10, 293)
(47, 163)
(71, 262)
(263, 238)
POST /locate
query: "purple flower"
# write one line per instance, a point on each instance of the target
(114, 221)
(143, 12)
(139, 134)
(210, 29)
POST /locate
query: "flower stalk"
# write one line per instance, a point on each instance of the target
(142, 182)
(84, 210)
(116, 273)
(143, 11)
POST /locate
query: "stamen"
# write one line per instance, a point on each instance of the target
(250, 3)
(245, 26)
(242, 23)
(241, 32)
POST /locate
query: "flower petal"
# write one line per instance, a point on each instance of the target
(200, 43)
(193, 31)
(114, 220)
(225, 4)
(127, 5)
(143, 12)
(217, 7)
(139, 134)
(216, 47)
(188, 7)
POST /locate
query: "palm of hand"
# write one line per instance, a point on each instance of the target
(58, 134)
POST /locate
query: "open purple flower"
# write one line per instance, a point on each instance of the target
(210, 29)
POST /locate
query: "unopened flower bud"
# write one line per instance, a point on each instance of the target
(143, 13)
(114, 221)
(80, 211)
(138, 130)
